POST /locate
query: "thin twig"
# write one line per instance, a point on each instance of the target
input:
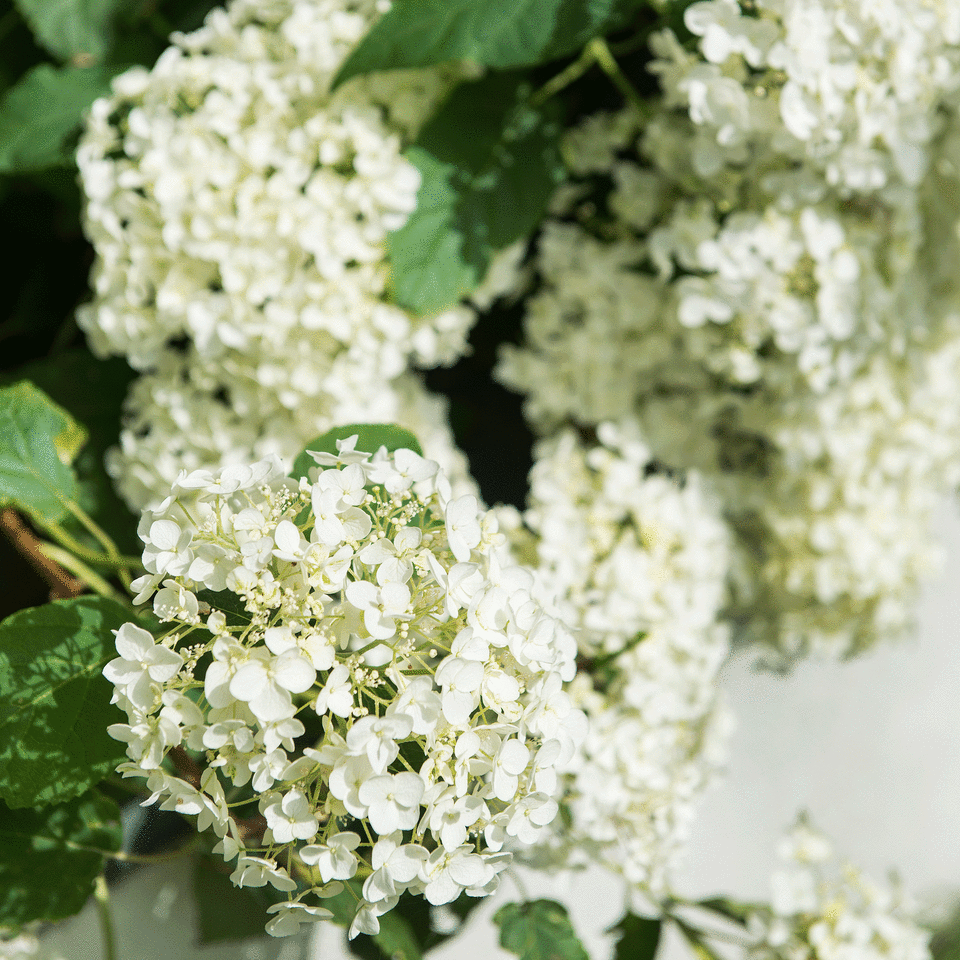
(79, 569)
(29, 546)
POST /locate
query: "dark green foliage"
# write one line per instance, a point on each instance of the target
(54, 701)
(49, 858)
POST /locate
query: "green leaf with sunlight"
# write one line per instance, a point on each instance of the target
(38, 442)
(54, 702)
(495, 33)
(370, 438)
(489, 163)
(538, 930)
(77, 30)
(92, 391)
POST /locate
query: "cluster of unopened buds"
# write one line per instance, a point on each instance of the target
(355, 664)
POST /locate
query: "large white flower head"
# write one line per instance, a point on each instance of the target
(350, 654)
(235, 201)
(623, 548)
(854, 90)
(788, 342)
(637, 561)
(240, 211)
(822, 910)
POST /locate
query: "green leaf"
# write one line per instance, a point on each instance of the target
(945, 943)
(496, 33)
(489, 163)
(370, 438)
(580, 21)
(92, 391)
(40, 115)
(49, 858)
(54, 702)
(78, 30)
(731, 909)
(638, 937)
(226, 912)
(395, 941)
(538, 930)
(38, 441)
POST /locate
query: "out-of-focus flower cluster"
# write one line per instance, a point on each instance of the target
(239, 210)
(636, 562)
(821, 910)
(25, 945)
(353, 657)
(761, 274)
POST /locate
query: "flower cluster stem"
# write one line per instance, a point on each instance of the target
(108, 933)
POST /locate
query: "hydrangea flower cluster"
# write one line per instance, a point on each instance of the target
(769, 315)
(239, 210)
(821, 913)
(853, 91)
(175, 423)
(637, 563)
(356, 663)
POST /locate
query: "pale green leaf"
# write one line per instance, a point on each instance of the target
(38, 441)
(40, 115)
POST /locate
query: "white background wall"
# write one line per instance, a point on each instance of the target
(871, 748)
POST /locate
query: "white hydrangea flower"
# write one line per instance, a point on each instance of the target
(821, 911)
(239, 210)
(324, 702)
(790, 338)
(637, 564)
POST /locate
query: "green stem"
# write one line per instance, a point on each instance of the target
(607, 62)
(101, 536)
(108, 933)
(637, 42)
(698, 938)
(564, 78)
(119, 562)
(518, 883)
(80, 570)
(65, 539)
(98, 532)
